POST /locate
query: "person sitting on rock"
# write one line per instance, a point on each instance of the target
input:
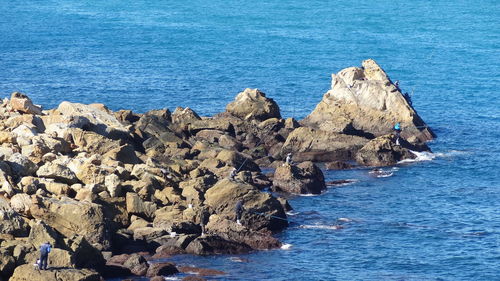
(288, 159)
(233, 173)
(44, 255)
(239, 211)
(397, 132)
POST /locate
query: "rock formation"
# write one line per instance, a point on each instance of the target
(94, 183)
(364, 101)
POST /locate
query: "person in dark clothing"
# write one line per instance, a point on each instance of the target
(233, 173)
(204, 218)
(44, 255)
(239, 211)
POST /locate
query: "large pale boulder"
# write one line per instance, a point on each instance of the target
(364, 101)
(27, 272)
(309, 144)
(102, 120)
(22, 103)
(58, 172)
(264, 210)
(304, 178)
(253, 104)
(70, 217)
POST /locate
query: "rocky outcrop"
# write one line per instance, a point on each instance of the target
(70, 217)
(309, 144)
(253, 104)
(264, 210)
(304, 178)
(22, 103)
(95, 182)
(28, 273)
(383, 151)
(364, 101)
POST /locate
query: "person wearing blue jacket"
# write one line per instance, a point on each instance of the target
(44, 255)
(397, 131)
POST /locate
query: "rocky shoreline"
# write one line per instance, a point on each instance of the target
(110, 190)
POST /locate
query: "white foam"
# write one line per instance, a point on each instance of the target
(421, 156)
(286, 246)
(344, 219)
(308, 195)
(321, 226)
(292, 213)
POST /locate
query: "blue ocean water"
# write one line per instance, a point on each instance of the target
(431, 220)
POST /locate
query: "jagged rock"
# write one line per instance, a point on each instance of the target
(101, 120)
(253, 104)
(383, 151)
(364, 101)
(21, 204)
(213, 244)
(137, 264)
(236, 159)
(148, 233)
(58, 172)
(69, 217)
(193, 190)
(27, 272)
(308, 144)
(265, 209)
(10, 221)
(113, 185)
(56, 188)
(29, 185)
(139, 207)
(229, 230)
(125, 154)
(23, 103)
(40, 233)
(184, 116)
(7, 263)
(20, 165)
(168, 195)
(161, 269)
(115, 211)
(7, 137)
(303, 178)
(83, 254)
(174, 219)
(90, 173)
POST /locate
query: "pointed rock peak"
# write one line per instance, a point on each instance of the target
(363, 101)
(184, 115)
(253, 104)
(373, 71)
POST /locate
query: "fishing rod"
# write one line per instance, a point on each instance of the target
(266, 215)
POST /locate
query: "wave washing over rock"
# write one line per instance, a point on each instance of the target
(112, 190)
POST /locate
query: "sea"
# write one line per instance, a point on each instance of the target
(436, 218)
